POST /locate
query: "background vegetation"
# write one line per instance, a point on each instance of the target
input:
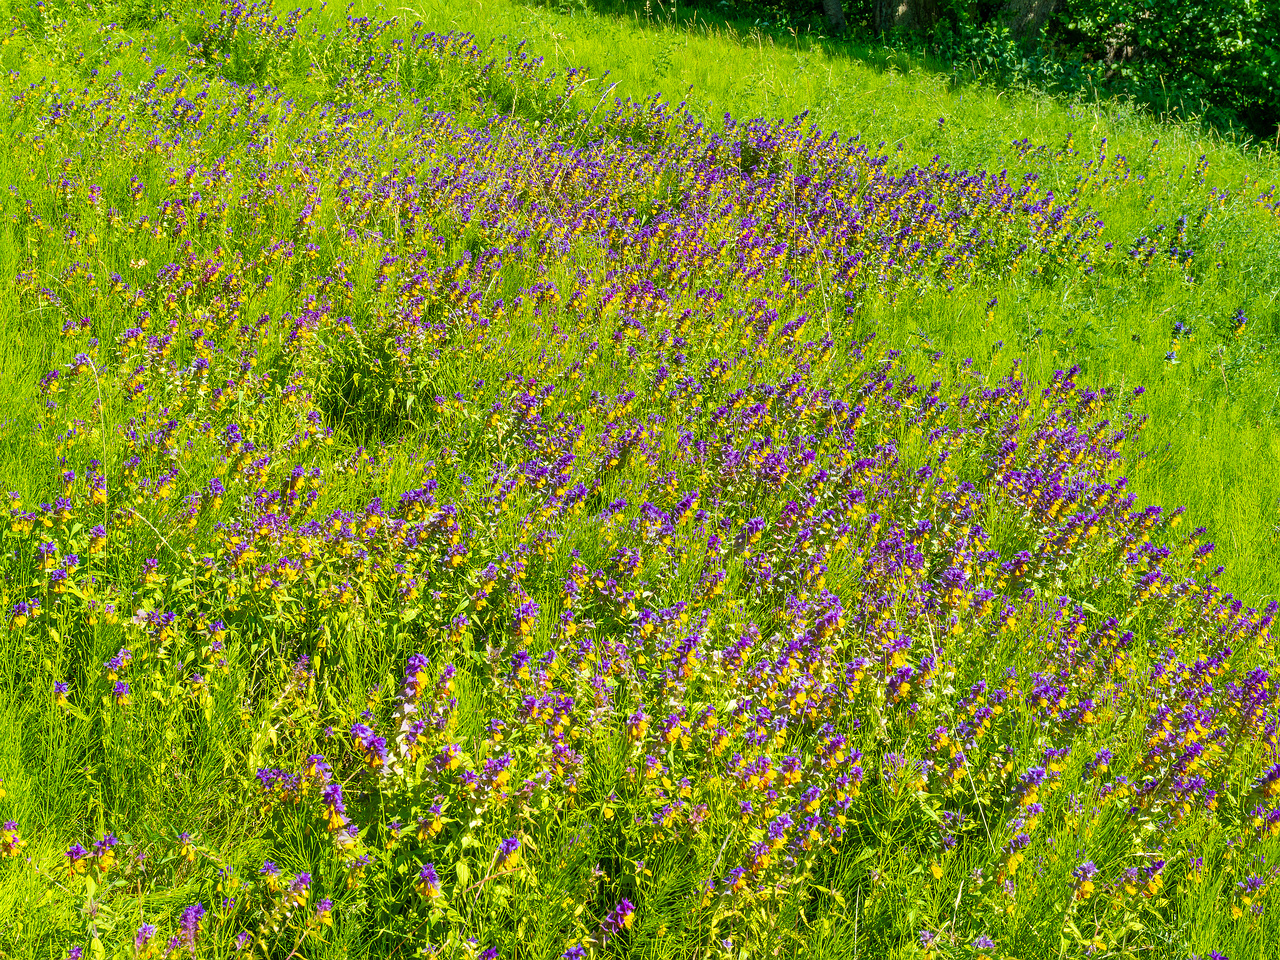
(1213, 61)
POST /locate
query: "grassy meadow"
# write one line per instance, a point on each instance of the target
(487, 480)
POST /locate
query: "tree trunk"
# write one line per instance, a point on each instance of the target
(884, 15)
(833, 11)
(914, 15)
(1025, 18)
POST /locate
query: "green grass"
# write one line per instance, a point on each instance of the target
(318, 650)
(1212, 439)
(1213, 435)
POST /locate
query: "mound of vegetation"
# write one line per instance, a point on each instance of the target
(465, 515)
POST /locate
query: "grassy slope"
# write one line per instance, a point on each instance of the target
(1213, 440)
(1213, 443)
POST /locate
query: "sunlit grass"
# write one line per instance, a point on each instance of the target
(448, 361)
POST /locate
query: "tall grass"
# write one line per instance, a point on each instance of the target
(1212, 440)
(310, 411)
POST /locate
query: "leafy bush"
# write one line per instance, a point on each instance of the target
(1218, 57)
(1214, 59)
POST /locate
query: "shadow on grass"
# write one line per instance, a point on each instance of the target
(967, 58)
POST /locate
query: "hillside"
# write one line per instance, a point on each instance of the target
(633, 490)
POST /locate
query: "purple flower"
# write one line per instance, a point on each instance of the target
(428, 881)
(190, 924)
(1086, 871)
(370, 744)
(620, 918)
(144, 935)
(508, 851)
(103, 848)
(77, 855)
(335, 809)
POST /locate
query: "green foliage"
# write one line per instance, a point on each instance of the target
(991, 53)
(1220, 57)
(1217, 61)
